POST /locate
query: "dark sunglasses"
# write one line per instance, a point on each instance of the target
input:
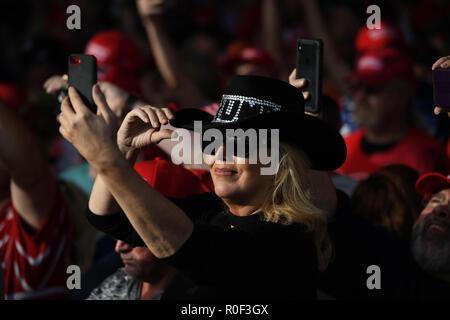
(241, 146)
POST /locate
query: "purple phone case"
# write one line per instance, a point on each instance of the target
(441, 87)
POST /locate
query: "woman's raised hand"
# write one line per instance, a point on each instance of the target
(142, 127)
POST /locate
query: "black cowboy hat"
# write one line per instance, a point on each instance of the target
(266, 103)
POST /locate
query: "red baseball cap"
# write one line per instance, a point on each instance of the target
(211, 108)
(432, 182)
(173, 180)
(118, 59)
(16, 100)
(373, 39)
(377, 67)
(14, 97)
(238, 53)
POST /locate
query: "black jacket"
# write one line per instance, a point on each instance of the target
(254, 259)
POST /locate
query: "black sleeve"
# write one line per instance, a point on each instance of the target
(119, 227)
(358, 244)
(218, 256)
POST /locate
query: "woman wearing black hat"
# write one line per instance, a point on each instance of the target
(258, 236)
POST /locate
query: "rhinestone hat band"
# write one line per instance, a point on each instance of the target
(232, 104)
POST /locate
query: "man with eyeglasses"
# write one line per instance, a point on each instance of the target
(383, 87)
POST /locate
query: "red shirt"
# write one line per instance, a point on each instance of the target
(172, 180)
(35, 264)
(415, 150)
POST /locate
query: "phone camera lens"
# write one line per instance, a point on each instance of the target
(75, 60)
(299, 48)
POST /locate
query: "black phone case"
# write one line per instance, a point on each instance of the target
(441, 87)
(309, 66)
(83, 76)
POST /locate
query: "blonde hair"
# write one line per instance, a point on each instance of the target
(291, 201)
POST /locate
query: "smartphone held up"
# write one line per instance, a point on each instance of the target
(83, 76)
(441, 87)
(309, 60)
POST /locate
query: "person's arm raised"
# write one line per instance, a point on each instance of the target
(162, 225)
(101, 200)
(134, 125)
(273, 34)
(32, 185)
(317, 25)
(168, 60)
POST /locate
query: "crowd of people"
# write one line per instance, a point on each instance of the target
(363, 183)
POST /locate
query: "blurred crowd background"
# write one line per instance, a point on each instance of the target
(183, 53)
(210, 35)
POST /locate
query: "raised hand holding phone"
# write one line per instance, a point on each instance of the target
(93, 135)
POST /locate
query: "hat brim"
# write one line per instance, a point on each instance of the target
(323, 145)
(430, 183)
